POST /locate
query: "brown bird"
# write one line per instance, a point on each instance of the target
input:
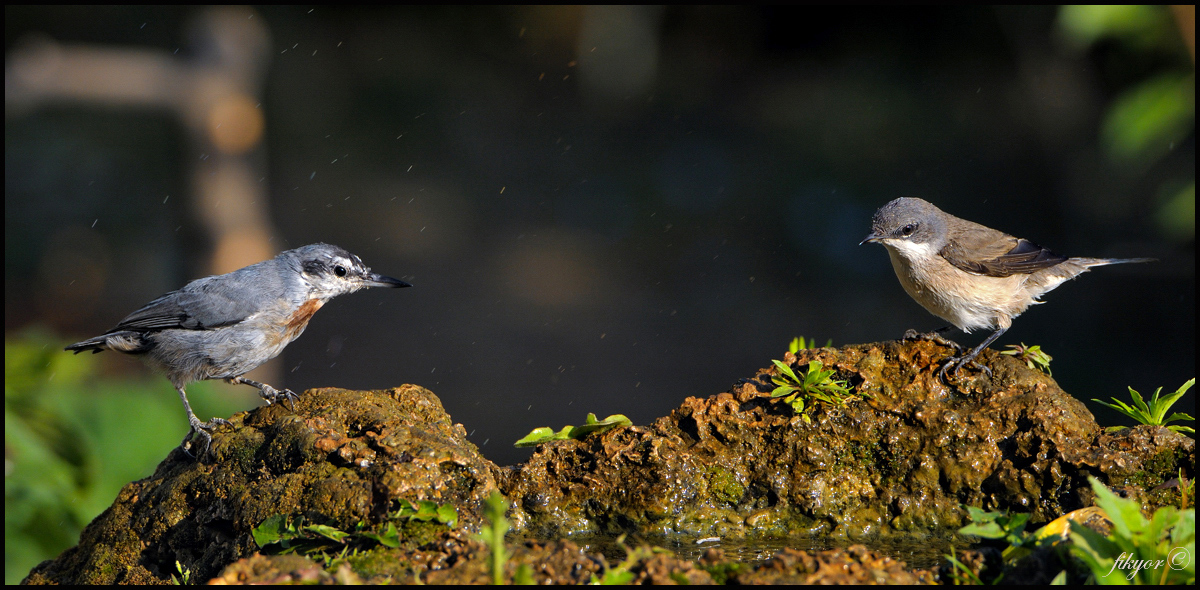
(967, 274)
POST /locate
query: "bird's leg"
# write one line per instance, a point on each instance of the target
(958, 361)
(935, 336)
(197, 427)
(268, 393)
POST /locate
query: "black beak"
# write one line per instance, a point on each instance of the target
(870, 238)
(378, 280)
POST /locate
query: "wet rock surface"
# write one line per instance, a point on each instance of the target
(341, 458)
(903, 461)
(737, 464)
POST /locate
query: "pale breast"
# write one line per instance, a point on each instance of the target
(967, 301)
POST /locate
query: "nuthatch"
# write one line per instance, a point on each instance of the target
(221, 327)
(967, 274)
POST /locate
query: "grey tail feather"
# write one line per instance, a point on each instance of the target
(1107, 261)
(93, 344)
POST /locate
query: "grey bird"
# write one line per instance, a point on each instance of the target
(221, 327)
(970, 275)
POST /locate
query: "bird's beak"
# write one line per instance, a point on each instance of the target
(378, 280)
(870, 238)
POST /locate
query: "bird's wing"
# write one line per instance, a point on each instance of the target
(202, 304)
(984, 251)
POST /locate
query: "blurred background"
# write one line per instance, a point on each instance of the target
(602, 209)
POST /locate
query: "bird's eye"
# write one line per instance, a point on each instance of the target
(908, 229)
(339, 270)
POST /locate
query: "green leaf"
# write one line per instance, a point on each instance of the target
(542, 435)
(270, 531)
(324, 530)
(447, 515)
(989, 530)
(1171, 398)
(390, 537)
(786, 371)
(545, 434)
(783, 390)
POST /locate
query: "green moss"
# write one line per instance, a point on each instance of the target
(724, 485)
(380, 561)
(1164, 464)
(417, 533)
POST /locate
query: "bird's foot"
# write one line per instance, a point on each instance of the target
(934, 336)
(954, 363)
(273, 395)
(200, 428)
(270, 394)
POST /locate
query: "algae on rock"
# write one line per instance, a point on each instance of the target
(904, 460)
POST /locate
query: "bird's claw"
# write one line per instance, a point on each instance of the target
(954, 363)
(933, 337)
(270, 394)
(202, 429)
(273, 395)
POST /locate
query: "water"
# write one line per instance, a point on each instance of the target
(917, 552)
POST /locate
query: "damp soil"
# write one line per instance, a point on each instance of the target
(734, 487)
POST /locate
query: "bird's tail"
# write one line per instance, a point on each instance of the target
(122, 341)
(93, 344)
(1090, 262)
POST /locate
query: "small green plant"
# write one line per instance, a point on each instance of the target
(281, 534)
(546, 434)
(1009, 528)
(523, 576)
(1034, 357)
(185, 575)
(799, 343)
(1156, 411)
(816, 383)
(427, 511)
(1158, 550)
(492, 534)
(961, 575)
(620, 574)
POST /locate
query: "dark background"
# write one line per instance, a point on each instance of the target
(613, 230)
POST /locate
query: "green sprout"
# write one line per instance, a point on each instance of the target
(1009, 528)
(1035, 358)
(492, 534)
(799, 343)
(185, 575)
(546, 434)
(620, 574)
(1155, 412)
(961, 575)
(282, 534)
(817, 383)
(427, 511)
(1140, 550)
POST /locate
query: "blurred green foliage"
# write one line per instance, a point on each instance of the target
(72, 439)
(1139, 550)
(1147, 120)
(1145, 28)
